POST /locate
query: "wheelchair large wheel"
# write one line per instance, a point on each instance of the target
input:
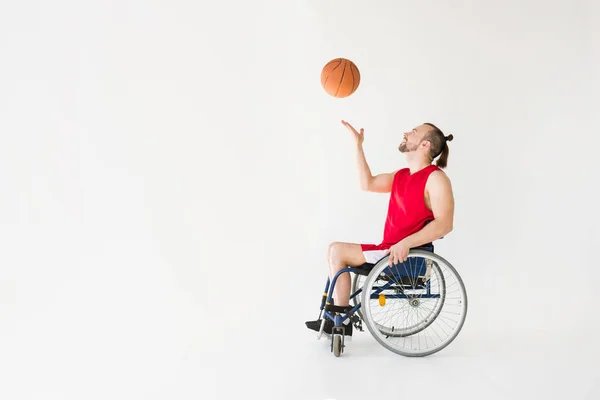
(358, 282)
(415, 308)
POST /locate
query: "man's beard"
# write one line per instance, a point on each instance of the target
(404, 148)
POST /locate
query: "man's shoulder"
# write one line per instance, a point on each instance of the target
(438, 178)
(439, 173)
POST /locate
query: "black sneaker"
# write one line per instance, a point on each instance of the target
(316, 325)
(328, 328)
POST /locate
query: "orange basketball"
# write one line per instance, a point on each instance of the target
(340, 77)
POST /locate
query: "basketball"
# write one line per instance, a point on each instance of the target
(340, 77)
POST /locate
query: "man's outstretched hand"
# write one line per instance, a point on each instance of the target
(359, 136)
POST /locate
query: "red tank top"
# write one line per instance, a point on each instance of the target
(407, 211)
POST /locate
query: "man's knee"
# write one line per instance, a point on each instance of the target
(335, 252)
(342, 254)
(331, 248)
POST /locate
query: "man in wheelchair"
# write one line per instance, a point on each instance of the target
(420, 210)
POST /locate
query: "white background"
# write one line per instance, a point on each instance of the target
(171, 173)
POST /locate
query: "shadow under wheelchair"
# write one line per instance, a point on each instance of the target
(414, 308)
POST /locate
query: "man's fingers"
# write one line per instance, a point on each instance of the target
(350, 127)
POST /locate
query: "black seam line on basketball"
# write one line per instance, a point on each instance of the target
(341, 78)
(352, 72)
(357, 80)
(328, 75)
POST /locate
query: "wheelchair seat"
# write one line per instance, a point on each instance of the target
(419, 270)
(364, 269)
(415, 275)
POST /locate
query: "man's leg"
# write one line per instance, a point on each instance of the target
(339, 256)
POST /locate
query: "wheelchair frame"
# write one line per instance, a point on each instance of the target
(339, 315)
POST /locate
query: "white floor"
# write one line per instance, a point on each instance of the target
(88, 346)
(296, 366)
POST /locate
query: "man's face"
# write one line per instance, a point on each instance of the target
(412, 139)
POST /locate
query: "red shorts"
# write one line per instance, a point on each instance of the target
(374, 252)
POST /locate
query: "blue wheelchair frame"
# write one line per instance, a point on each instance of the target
(338, 319)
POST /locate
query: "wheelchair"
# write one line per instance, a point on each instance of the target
(414, 308)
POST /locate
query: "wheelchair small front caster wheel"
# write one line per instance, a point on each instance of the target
(337, 345)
